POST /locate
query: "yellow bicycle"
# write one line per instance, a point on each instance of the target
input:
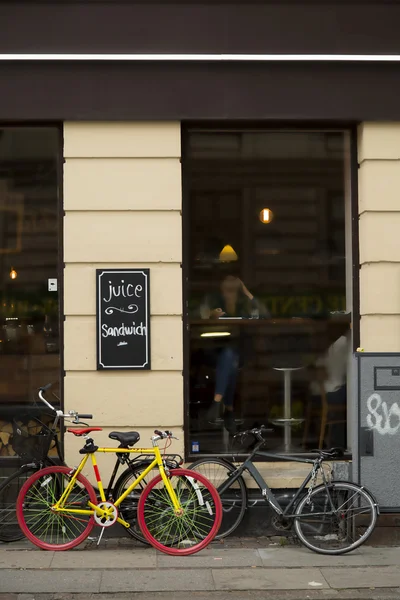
(179, 511)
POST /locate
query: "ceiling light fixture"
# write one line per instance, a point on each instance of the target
(266, 215)
(228, 254)
(214, 334)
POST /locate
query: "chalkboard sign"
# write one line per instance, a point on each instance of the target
(123, 318)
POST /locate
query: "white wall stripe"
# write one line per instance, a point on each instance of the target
(205, 57)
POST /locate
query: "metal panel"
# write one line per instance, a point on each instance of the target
(201, 26)
(207, 91)
(377, 449)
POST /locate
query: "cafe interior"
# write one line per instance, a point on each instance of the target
(29, 259)
(268, 290)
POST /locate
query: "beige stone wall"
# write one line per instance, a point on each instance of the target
(122, 202)
(379, 209)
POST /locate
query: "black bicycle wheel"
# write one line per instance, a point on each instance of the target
(128, 508)
(9, 490)
(233, 499)
(336, 518)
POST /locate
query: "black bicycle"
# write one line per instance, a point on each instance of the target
(333, 517)
(35, 449)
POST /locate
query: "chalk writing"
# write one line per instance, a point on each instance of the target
(382, 419)
(123, 319)
(126, 291)
(131, 309)
(123, 330)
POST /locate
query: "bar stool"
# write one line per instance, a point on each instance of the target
(287, 420)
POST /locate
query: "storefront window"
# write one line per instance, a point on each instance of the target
(269, 329)
(29, 258)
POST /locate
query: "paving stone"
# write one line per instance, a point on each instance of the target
(264, 579)
(212, 558)
(302, 557)
(362, 577)
(157, 580)
(48, 581)
(106, 559)
(24, 559)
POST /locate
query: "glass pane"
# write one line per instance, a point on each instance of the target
(29, 315)
(269, 333)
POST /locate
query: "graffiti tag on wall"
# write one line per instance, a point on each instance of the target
(381, 418)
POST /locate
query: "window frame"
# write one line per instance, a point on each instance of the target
(186, 128)
(15, 461)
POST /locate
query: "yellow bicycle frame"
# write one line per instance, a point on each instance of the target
(157, 462)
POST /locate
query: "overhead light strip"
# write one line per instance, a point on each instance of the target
(380, 58)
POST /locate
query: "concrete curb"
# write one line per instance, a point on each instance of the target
(272, 572)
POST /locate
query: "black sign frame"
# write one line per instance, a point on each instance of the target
(131, 283)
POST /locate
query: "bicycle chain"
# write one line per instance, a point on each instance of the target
(312, 483)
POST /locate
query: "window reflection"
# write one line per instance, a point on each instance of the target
(29, 316)
(269, 332)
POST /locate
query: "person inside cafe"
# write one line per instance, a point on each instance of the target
(329, 379)
(232, 300)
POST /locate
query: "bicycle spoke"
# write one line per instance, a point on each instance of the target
(184, 529)
(46, 526)
(339, 530)
(233, 497)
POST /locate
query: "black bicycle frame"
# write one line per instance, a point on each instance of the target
(266, 491)
(125, 460)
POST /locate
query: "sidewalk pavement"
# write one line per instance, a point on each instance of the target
(218, 572)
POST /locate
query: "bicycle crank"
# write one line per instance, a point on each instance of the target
(280, 524)
(105, 514)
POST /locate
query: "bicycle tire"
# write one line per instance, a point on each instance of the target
(337, 520)
(234, 500)
(128, 508)
(30, 519)
(204, 503)
(10, 530)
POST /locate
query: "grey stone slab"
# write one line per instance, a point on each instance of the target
(157, 580)
(105, 559)
(264, 579)
(212, 558)
(25, 559)
(362, 577)
(49, 582)
(383, 594)
(302, 557)
(21, 545)
(312, 594)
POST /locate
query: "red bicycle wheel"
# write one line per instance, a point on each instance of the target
(190, 531)
(45, 528)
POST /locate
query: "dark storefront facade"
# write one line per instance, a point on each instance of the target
(241, 151)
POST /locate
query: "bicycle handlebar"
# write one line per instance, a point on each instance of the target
(162, 435)
(60, 414)
(42, 390)
(256, 431)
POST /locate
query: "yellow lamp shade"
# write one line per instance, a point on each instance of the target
(228, 254)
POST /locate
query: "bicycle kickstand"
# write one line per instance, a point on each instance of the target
(100, 536)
